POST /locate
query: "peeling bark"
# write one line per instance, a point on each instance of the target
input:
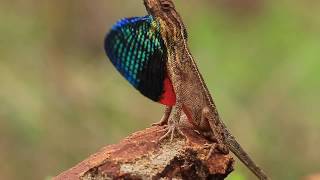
(141, 156)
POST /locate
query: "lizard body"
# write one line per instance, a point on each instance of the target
(192, 94)
(152, 53)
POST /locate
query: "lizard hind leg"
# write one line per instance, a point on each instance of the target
(218, 144)
(165, 117)
(174, 124)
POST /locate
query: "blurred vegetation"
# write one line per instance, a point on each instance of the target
(61, 100)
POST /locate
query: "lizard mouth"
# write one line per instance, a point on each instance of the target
(152, 6)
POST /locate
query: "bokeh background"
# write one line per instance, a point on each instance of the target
(61, 99)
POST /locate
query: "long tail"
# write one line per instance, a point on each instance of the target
(237, 150)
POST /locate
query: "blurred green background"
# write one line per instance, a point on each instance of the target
(61, 99)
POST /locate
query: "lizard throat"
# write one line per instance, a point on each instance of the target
(168, 96)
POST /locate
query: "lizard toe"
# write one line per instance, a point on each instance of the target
(171, 131)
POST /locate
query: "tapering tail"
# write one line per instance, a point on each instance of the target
(237, 150)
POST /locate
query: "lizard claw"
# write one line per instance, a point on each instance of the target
(171, 130)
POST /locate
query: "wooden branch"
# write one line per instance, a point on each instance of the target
(140, 156)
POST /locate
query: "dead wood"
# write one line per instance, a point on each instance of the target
(140, 156)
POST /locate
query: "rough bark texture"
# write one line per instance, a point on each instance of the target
(140, 156)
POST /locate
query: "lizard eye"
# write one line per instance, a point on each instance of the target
(166, 6)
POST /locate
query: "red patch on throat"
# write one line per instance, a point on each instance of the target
(168, 96)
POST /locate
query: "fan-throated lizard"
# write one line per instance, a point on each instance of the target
(152, 53)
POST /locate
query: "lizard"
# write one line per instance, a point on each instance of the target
(152, 53)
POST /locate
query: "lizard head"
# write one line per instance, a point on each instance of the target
(154, 7)
(171, 25)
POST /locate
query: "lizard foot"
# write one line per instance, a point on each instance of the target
(171, 130)
(165, 118)
(217, 147)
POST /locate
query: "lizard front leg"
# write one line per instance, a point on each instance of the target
(165, 117)
(207, 118)
(174, 119)
(173, 124)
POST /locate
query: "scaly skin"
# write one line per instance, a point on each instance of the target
(192, 95)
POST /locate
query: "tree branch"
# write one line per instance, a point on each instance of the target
(140, 156)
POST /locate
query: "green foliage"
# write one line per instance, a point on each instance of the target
(61, 100)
